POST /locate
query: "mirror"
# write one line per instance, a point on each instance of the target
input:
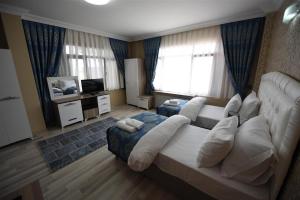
(63, 87)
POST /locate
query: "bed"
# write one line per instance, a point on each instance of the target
(178, 158)
(280, 104)
(121, 142)
(209, 116)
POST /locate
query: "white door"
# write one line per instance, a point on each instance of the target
(13, 118)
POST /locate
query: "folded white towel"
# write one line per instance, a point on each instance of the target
(174, 103)
(122, 125)
(134, 123)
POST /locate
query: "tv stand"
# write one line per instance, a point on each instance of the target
(82, 107)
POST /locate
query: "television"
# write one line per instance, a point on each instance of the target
(92, 85)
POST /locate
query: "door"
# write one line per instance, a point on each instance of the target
(14, 121)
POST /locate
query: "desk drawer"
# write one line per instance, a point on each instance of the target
(143, 103)
(104, 98)
(104, 110)
(70, 112)
(104, 104)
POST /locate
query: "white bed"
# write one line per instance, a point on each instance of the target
(209, 116)
(178, 158)
(280, 104)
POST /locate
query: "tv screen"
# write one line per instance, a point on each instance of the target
(92, 85)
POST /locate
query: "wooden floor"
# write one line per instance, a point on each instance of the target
(96, 176)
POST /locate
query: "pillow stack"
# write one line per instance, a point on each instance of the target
(247, 152)
(253, 156)
(246, 109)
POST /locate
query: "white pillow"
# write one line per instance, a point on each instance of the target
(253, 155)
(218, 143)
(233, 105)
(250, 107)
(192, 108)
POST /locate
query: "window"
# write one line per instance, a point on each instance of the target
(85, 65)
(90, 56)
(188, 62)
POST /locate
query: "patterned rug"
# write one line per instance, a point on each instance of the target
(66, 148)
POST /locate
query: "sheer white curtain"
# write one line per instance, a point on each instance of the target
(89, 56)
(193, 63)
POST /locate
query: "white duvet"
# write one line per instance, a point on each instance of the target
(146, 149)
(192, 108)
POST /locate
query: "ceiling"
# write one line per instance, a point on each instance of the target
(139, 19)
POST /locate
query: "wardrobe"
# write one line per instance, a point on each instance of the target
(14, 124)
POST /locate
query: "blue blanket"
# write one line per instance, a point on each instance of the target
(169, 111)
(121, 142)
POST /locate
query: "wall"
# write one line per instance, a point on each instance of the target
(136, 49)
(117, 97)
(17, 44)
(281, 46)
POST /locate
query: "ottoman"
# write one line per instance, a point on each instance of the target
(169, 110)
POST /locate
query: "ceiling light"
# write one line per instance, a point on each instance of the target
(98, 2)
(291, 12)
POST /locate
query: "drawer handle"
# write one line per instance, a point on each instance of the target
(9, 98)
(69, 104)
(72, 119)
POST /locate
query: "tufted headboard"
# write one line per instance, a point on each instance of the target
(280, 104)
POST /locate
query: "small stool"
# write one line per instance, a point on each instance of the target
(168, 110)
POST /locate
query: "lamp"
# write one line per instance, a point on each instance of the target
(291, 12)
(97, 2)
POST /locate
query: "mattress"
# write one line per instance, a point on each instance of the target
(168, 110)
(209, 116)
(121, 142)
(178, 158)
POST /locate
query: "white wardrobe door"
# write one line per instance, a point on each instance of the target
(9, 86)
(14, 120)
(131, 93)
(131, 81)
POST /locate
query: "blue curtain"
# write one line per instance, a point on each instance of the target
(151, 48)
(241, 41)
(120, 50)
(45, 45)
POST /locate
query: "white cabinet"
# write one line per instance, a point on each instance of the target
(145, 102)
(70, 112)
(134, 80)
(104, 104)
(14, 124)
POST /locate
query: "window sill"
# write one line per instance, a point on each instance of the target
(188, 96)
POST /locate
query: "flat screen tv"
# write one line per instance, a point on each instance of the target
(92, 85)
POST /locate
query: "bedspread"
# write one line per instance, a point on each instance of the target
(121, 142)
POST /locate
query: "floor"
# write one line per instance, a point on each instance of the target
(96, 176)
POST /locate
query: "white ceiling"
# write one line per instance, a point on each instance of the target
(138, 19)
